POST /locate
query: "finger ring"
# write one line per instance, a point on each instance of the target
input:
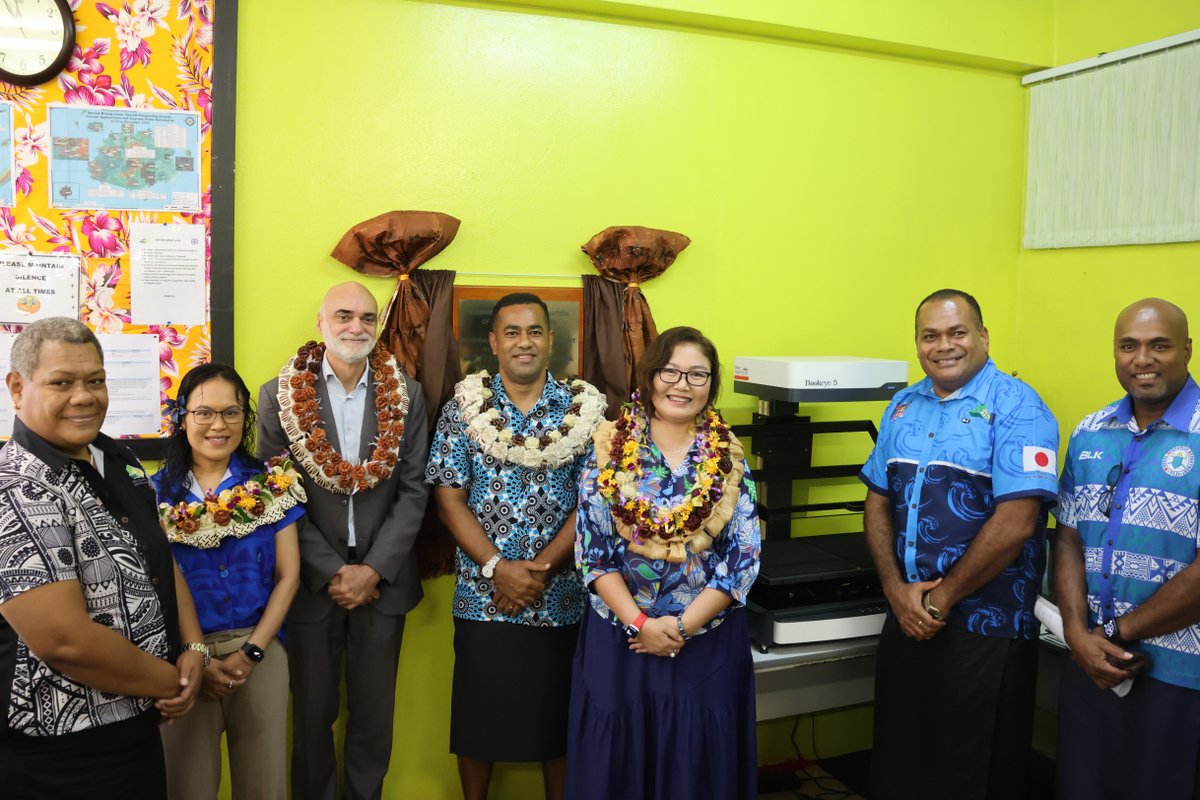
(920, 622)
(231, 684)
(674, 653)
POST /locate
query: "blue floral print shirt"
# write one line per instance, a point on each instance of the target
(520, 509)
(665, 588)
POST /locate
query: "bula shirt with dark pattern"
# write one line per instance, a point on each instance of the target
(54, 527)
(520, 509)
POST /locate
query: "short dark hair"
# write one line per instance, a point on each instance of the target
(517, 299)
(27, 347)
(659, 353)
(177, 455)
(950, 294)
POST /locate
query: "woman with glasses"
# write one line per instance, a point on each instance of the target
(231, 523)
(662, 701)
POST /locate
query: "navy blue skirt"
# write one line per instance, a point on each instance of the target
(644, 726)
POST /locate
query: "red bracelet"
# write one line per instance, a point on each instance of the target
(640, 621)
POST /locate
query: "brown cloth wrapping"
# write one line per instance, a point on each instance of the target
(395, 244)
(632, 255)
(604, 362)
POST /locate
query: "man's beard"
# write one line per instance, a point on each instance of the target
(350, 352)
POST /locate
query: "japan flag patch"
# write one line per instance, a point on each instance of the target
(1040, 459)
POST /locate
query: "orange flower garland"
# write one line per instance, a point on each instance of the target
(300, 414)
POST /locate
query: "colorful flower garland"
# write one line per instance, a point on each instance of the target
(668, 533)
(555, 448)
(238, 511)
(300, 414)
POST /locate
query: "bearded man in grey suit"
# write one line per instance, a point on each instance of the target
(356, 426)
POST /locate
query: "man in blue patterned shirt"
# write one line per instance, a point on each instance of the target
(505, 463)
(1126, 577)
(959, 482)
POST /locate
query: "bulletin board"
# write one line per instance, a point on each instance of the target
(120, 171)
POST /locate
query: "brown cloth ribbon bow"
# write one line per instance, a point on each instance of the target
(632, 255)
(396, 243)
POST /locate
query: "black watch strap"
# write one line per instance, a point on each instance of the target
(1113, 633)
(253, 652)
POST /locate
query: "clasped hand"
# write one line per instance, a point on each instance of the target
(518, 584)
(1106, 663)
(190, 665)
(354, 585)
(658, 637)
(914, 620)
(224, 676)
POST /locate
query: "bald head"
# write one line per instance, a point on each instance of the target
(348, 321)
(347, 294)
(1155, 308)
(1151, 350)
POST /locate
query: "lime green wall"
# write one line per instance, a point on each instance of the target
(1070, 298)
(1085, 28)
(826, 189)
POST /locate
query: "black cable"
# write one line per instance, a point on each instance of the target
(839, 792)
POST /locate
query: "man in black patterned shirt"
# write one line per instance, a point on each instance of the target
(92, 605)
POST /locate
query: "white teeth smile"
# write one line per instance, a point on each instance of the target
(1145, 376)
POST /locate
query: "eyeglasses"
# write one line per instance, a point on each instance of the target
(1106, 496)
(233, 415)
(696, 377)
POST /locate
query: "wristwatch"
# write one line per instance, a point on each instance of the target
(253, 652)
(634, 628)
(199, 647)
(489, 569)
(1113, 634)
(932, 610)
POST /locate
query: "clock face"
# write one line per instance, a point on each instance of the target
(36, 39)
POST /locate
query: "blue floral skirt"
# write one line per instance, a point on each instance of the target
(643, 726)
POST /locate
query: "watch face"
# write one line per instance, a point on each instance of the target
(37, 38)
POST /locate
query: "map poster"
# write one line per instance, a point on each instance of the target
(123, 158)
(7, 167)
(34, 286)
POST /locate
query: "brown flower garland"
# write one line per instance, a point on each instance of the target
(299, 411)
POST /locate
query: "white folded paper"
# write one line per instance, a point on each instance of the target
(1049, 615)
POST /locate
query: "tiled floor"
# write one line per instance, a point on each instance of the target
(810, 783)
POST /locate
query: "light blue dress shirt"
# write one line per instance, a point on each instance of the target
(347, 409)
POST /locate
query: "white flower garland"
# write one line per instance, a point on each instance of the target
(555, 448)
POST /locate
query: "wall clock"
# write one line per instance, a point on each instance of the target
(36, 40)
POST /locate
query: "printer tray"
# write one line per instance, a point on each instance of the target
(814, 589)
(809, 558)
(818, 623)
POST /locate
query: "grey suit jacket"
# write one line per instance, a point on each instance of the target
(386, 518)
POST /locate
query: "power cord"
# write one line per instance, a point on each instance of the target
(826, 792)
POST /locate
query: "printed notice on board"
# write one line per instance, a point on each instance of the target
(131, 367)
(166, 274)
(34, 286)
(131, 364)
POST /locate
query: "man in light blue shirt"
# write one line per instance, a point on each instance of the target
(1126, 577)
(960, 481)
